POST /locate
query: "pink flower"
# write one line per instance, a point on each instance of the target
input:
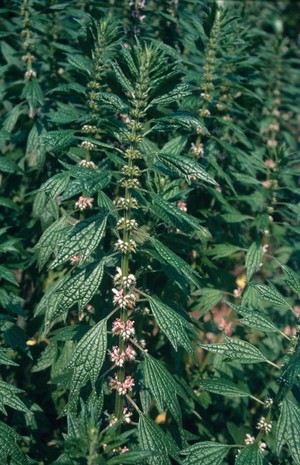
(122, 300)
(84, 202)
(125, 330)
(267, 184)
(182, 205)
(75, 259)
(238, 292)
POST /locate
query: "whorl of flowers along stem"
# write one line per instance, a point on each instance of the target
(126, 226)
(28, 58)
(207, 85)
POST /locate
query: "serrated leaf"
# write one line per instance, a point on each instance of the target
(55, 185)
(32, 91)
(12, 117)
(46, 359)
(209, 298)
(223, 387)
(175, 145)
(9, 449)
(80, 63)
(271, 294)
(113, 101)
(205, 453)
(88, 358)
(163, 387)
(288, 429)
(68, 88)
(223, 250)
(4, 360)
(172, 324)
(292, 282)
(151, 437)
(235, 217)
(8, 275)
(170, 258)
(134, 457)
(236, 349)
(8, 166)
(177, 218)
(79, 288)
(81, 240)
(185, 167)
(51, 240)
(122, 79)
(250, 455)
(9, 396)
(180, 119)
(58, 140)
(253, 258)
(255, 319)
(180, 91)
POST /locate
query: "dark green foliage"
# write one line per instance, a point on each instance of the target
(149, 241)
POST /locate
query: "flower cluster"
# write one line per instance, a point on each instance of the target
(124, 329)
(120, 357)
(87, 145)
(123, 300)
(130, 225)
(126, 204)
(125, 246)
(122, 388)
(87, 164)
(264, 425)
(125, 281)
(84, 202)
(197, 149)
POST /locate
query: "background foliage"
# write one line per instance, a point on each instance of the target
(189, 111)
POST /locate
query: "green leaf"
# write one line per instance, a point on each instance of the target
(32, 91)
(223, 387)
(250, 455)
(163, 387)
(175, 327)
(185, 167)
(8, 166)
(46, 359)
(8, 275)
(80, 63)
(168, 257)
(58, 140)
(122, 79)
(78, 288)
(177, 218)
(288, 429)
(270, 294)
(12, 117)
(81, 240)
(9, 449)
(209, 298)
(235, 217)
(68, 88)
(135, 457)
(179, 91)
(175, 145)
(8, 396)
(223, 250)
(255, 319)
(180, 119)
(55, 185)
(205, 453)
(88, 358)
(292, 282)
(4, 360)
(253, 258)
(51, 240)
(151, 437)
(236, 349)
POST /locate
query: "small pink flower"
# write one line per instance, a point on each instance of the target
(267, 183)
(124, 449)
(130, 353)
(238, 292)
(125, 330)
(289, 331)
(126, 415)
(182, 205)
(272, 143)
(75, 259)
(122, 300)
(84, 202)
(270, 164)
(249, 439)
